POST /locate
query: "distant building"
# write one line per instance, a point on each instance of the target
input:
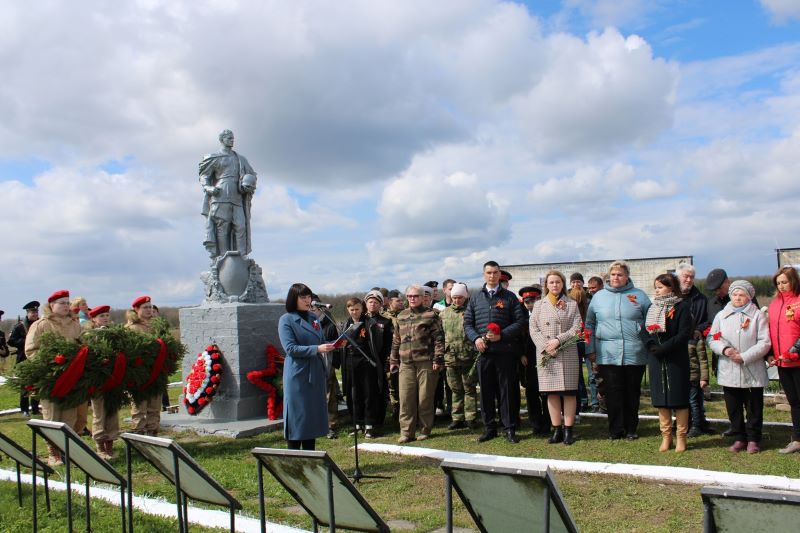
(643, 270)
(788, 256)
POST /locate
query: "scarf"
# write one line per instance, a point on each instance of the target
(553, 298)
(658, 311)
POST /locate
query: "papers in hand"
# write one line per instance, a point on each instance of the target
(352, 330)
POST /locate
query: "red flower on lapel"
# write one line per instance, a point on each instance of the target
(561, 304)
(746, 323)
(315, 324)
(499, 304)
(632, 298)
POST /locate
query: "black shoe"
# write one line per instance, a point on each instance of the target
(370, 434)
(472, 424)
(694, 431)
(631, 436)
(331, 434)
(569, 438)
(489, 434)
(457, 424)
(511, 436)
(558, 435)
(728, 432)
(86, 433)
(708, 430)
(595, 408)
(616, 436)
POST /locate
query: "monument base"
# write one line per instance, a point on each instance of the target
(242, 333)
(234, 429)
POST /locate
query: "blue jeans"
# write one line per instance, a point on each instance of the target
(697, 411)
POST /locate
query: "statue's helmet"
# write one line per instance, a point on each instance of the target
(248, 180)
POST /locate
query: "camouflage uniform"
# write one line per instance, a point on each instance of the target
(394, 393)
(417, 343)
(459, 358)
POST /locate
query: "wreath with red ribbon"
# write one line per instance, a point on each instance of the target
(270, 379)
(203, 381)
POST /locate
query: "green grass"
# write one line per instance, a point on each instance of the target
(599, 503)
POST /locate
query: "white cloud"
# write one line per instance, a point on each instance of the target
(597, 96)
(603, 186)
(650, 189)
(782, 11)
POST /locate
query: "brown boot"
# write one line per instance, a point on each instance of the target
(665, 424)
(110, 448)
(682, 420)
(54, 458)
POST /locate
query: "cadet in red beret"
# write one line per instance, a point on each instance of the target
(105, 425)
(58, 319)
(146, 414)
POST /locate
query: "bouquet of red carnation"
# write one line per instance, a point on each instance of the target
(653, 328)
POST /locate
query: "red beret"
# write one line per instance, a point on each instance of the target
(63, 293)
(139, 301)
(99, 310)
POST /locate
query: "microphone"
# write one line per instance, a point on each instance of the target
(321, 305)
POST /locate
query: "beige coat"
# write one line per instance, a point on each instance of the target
(68, 327)
(549, 322)
(137, 324)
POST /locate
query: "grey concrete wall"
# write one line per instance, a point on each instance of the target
(242, 332)
(643, 271)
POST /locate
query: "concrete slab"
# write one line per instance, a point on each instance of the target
(234, 429)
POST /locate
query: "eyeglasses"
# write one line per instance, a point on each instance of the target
(413, 296)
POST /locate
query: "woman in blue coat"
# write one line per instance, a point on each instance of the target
(615, 319)
(305, 411)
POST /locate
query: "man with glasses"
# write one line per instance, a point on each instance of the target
(499, 308)
(417, 354)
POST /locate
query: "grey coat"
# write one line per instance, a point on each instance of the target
(751, 341)
(305, 411)
(549, 322)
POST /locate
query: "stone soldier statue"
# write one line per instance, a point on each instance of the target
(229, 183)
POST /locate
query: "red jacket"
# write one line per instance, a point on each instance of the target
(784, 326)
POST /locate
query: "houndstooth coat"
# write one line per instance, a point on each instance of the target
(562, 322)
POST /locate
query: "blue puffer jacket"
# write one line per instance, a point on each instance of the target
(615, 318)
(504, 310)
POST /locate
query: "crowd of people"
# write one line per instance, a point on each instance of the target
(70, 318)
(466, 355)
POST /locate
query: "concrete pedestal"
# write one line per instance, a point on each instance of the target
(242, 332)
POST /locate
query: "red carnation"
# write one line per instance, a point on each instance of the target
(190, 409)
(653, 328)
(214, 356)
(210, 348)
(587, 334)
(202, 401)
(30, 388)
(138, 361)
(706, 331)
(494, 328)
(59, 359)
(215, 379)
(209, 390)
(717, 336)
(216, 368)
(184, 390)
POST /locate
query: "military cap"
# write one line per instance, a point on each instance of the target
(715, 279)
(32, 306)
(432, 284)
(505, 275)
(530, 291)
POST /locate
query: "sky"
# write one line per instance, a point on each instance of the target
(395, 142)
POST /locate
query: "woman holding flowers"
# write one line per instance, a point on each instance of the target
(784, 331)
(740, 336)
(668, 327)
(555, 326)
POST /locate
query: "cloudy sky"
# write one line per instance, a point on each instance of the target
(394, 141)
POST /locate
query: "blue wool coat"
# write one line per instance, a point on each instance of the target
(305, 412)
(616, 318)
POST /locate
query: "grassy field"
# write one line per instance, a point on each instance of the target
(415, 491)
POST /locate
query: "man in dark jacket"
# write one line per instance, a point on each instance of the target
(27, 405)
(497, 362)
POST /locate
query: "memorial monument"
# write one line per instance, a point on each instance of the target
(235, 313)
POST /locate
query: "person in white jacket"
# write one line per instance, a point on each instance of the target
(740, 336)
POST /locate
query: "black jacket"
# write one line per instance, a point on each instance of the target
(668, 359)
(504, 310)
(17, 338)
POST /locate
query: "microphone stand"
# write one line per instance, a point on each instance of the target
(357, 474)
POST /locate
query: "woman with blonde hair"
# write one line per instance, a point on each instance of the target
(614, 321)
(555, 319)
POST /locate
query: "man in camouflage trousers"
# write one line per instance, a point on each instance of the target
(395, 305)
(459, 360)
(418, 353)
